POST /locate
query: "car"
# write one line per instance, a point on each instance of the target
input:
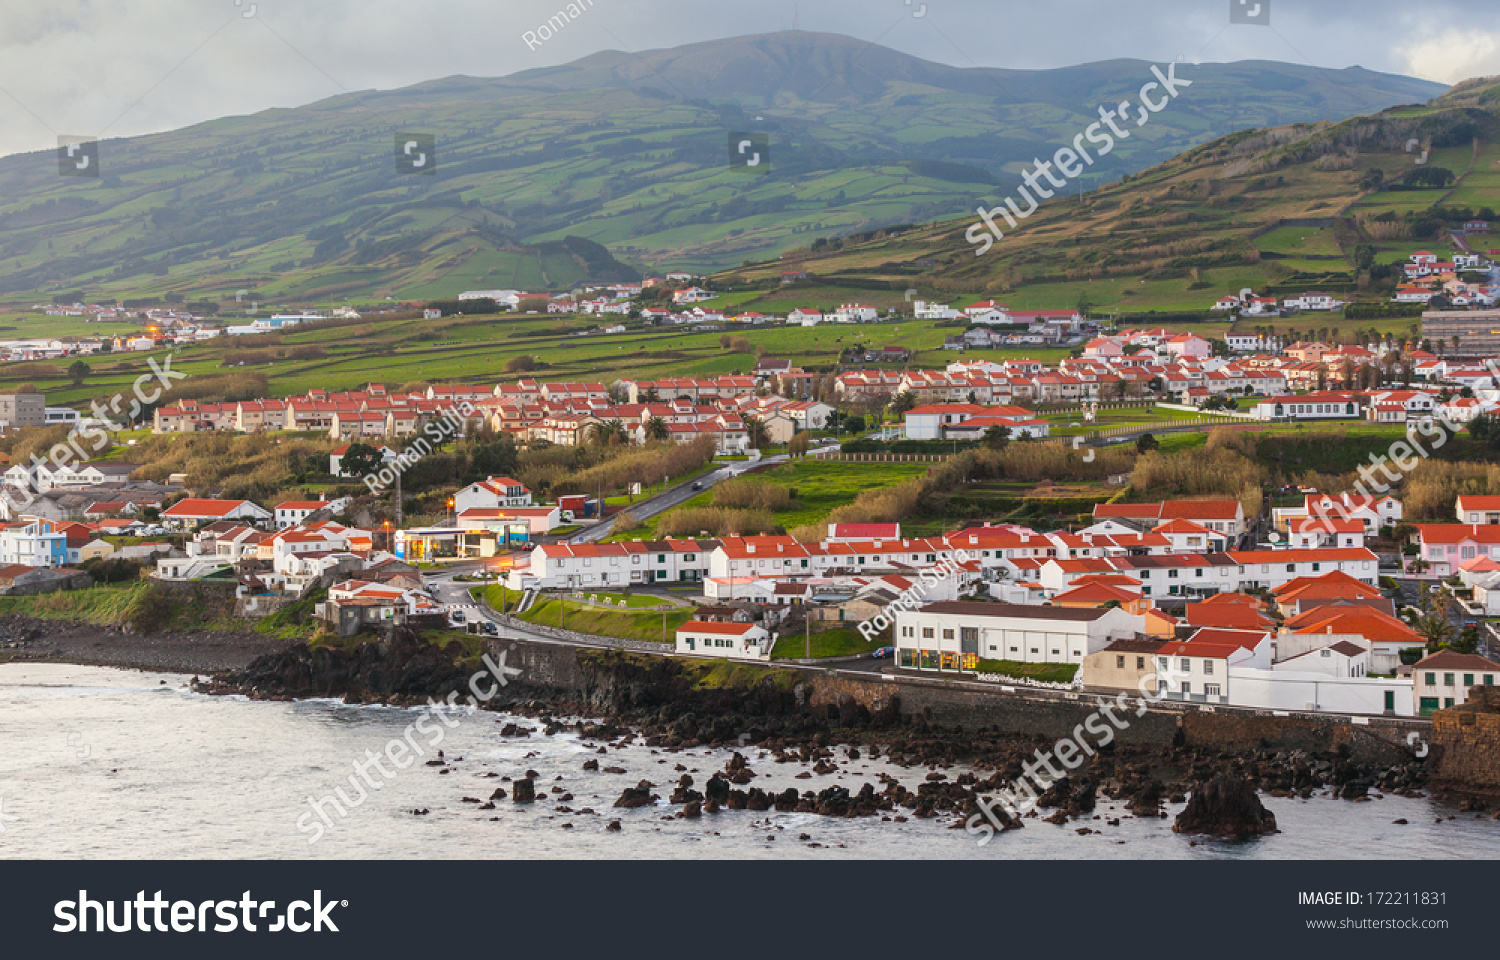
(697, 484)
(884, 652)
(457, 616)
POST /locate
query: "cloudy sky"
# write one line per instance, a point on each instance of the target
(94, 68)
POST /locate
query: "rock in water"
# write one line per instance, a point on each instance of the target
(523, 791)
(1226, 806)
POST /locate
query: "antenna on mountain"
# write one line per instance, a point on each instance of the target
(794, 16)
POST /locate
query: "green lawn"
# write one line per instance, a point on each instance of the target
(609, 623)
(1049, 672)
(841, 641)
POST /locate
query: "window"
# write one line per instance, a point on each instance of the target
(1211, 689)
(969, 634)
(1468, 679)
(1291, 568)
(1432, 679)
(947, 634)
(1186, 664)
(926, 633)
(1489, 679)
(1161, 663)
(1447, 679)
(1120, 662)
(1208, 667)
(1140, 663)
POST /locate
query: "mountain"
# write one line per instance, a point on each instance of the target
(1297, 207)
(599, 169)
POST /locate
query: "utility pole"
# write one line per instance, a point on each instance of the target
(396, 497)
(664, 625)
(806, 633)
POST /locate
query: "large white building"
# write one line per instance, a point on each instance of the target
(955, 635)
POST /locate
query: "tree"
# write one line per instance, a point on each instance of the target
(78, 371)
(904, 401)
(520, 363)
(799, 443)
(361, 460)
(855, 424)
(997, 437)
(657, 429)
(1147, 443)
(1435, 628)
(1468, 640)
(759, 435)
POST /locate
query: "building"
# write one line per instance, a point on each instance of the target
(19, 410)
(1443, 679)
(1477, 331)
(1311, 406)
(33, 543)
(956, 635)
(738, 641)
(1475, 509)
(194, 510)
(290, 513)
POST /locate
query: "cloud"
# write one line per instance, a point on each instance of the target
(89, 68)
(1457, 53)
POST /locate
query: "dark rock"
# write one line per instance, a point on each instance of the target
(523, 791)
(1226, 806)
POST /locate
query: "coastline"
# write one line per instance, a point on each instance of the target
(203, 652)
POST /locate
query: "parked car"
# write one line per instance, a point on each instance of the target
(884, 652)
(457, 616)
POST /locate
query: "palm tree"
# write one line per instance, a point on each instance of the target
(657, 429)
(1435, 628)
(757, 432)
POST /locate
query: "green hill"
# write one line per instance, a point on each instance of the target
(1329, 206)
(629, 151)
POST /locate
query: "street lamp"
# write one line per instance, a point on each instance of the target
(389, 543)
(450, 509)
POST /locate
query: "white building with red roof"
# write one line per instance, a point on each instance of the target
(736, 641)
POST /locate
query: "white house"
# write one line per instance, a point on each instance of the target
(804, 316)
(737, 641)
(289, 513)
(854, 313)
(955, 635)
(492, 493)
(1443, 679)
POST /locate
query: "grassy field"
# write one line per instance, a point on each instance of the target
(817, 486)
(109, 604)
(841, 641)
(609, 623)
(1049, 672)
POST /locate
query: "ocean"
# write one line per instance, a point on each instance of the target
(105, 763)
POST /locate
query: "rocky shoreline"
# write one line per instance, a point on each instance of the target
(192, 652)
(661, 704)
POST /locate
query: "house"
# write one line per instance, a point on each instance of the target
(194, 510)
(854, 313)
(1372, 511)
(737, 641)
(290, 513)
(1311, 406)
(804, 316)
(33, 543)
(1476, 509)
(1197, 670)
(1444, 547)
(955, 635)
(1219, 516)
(1123, 666)
(1443, 679)
(492, 493)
